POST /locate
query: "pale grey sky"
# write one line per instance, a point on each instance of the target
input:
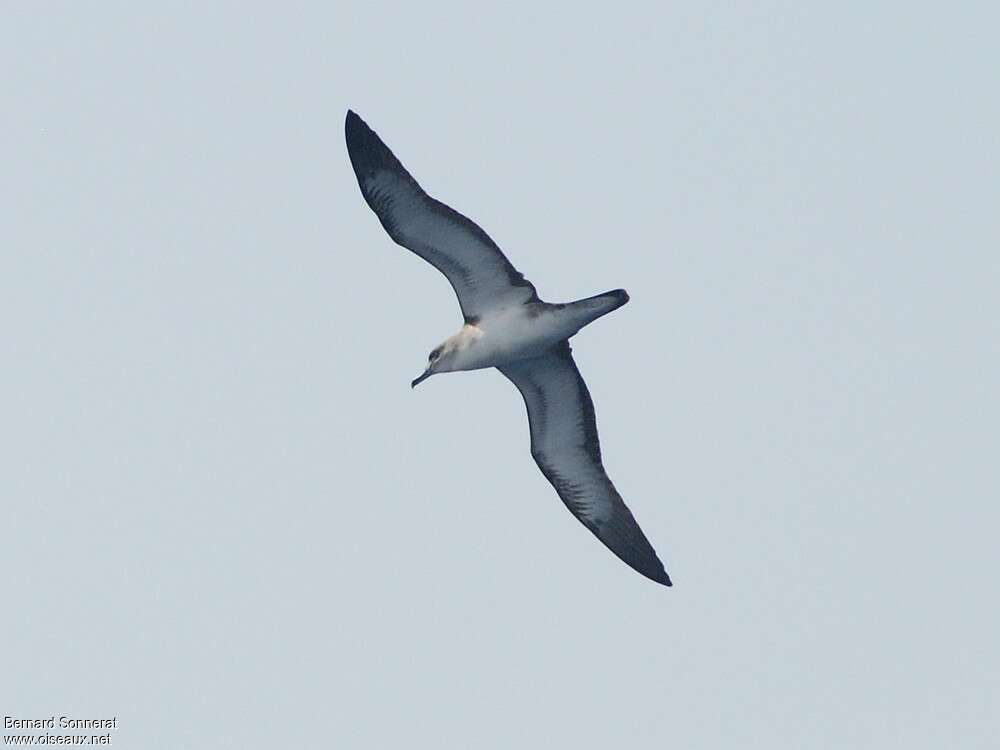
(229, 522)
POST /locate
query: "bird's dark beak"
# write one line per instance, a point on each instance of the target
(421, 379)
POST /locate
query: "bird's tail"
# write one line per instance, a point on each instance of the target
(590, 309)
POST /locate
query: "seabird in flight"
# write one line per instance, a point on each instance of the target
(508, 327)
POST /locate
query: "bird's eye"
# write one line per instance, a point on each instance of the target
(435, 354)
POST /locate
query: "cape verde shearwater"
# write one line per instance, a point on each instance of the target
(508, 327)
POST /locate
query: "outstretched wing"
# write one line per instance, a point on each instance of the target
(564, 444)
(481, 276)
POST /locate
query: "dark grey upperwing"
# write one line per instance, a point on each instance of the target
(564, 444)
(481, 276)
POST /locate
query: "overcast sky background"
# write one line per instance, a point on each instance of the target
(228, 521)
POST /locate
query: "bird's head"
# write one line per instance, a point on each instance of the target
(453, 354)
(437, 361)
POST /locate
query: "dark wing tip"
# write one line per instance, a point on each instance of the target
(353, 123)
(368, 152)
(354, 126)
(622, 535)
(651, 569)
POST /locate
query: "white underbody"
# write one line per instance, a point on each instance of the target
(519, 332)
